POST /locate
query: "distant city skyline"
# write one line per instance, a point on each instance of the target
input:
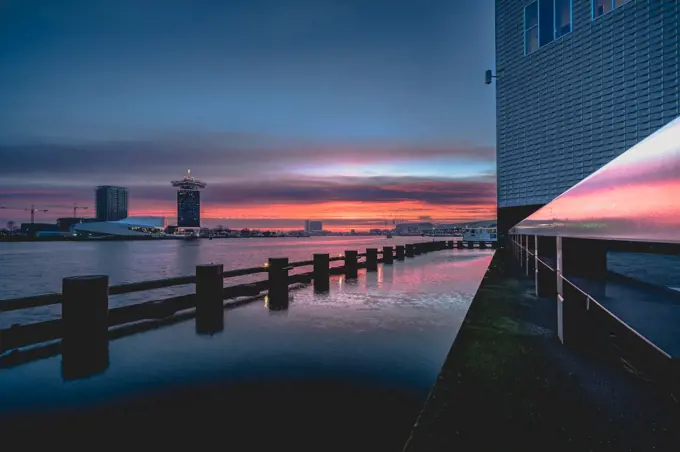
(350, 112)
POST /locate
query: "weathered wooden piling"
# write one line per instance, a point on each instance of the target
(277, 297)
(470, 245)
(321, 273)
(209, 305)
(84, 311)
(460, 244)
(400, 251)
(482, 245)
(388, 254)
(371, 259)
(417, 249)
(450, 244)
(351, 266)
(410, 250)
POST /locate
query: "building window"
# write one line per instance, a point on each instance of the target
(531, 28)
(562, 17)
(602, 7)
(545, 21)
(546, 24)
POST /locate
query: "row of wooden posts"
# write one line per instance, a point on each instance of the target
(86, 316)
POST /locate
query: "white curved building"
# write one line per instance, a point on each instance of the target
(131, 226)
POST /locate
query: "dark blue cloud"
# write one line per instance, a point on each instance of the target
(323, 69)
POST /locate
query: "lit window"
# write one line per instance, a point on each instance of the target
(531, 28)
(562, 17)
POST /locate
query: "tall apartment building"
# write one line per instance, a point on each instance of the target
(578, 83)
(111, 203)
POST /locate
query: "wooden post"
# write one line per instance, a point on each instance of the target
(321, 273)
(209, 306)
(84, 316)
(351, 267)
(449, 244)
(417, 249)
(400, 252)
(388, 254)
(372, 259)
(482, 245)
(277, 297)
(460, 244)
(410, 251)
(470, 245)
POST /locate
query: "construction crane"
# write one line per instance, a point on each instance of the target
(75, 209)
(33, 210)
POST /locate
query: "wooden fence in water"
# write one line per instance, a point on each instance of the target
(87, 322)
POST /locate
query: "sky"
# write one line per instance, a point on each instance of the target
(353, 112)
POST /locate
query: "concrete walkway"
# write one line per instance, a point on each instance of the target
(509, 383)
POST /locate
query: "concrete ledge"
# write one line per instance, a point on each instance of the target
(508, 382)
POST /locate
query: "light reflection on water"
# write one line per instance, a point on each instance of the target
(36, 268)
(385, 334)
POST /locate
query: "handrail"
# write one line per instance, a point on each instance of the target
(591, 299)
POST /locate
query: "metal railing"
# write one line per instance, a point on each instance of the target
(630, 205)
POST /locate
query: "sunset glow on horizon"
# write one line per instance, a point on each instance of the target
(350, 113)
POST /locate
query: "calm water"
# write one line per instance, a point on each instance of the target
(347, 370)
(37, 268)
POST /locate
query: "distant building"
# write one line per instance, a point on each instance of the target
(65, 224)
(132, 226)
(313, 226)
(189, 201)
(111, 203)
(189, 208)
(32, 229)
(414, 228)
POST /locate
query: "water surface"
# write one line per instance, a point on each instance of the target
(33, 268)
(346, 370)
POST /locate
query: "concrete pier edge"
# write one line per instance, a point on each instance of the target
(508, 382)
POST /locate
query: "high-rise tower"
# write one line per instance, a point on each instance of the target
(189, 201)
(111, 203)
